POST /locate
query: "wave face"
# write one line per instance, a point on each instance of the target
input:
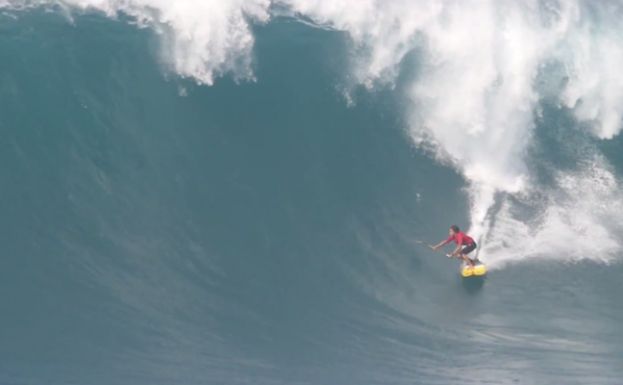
(230, 192)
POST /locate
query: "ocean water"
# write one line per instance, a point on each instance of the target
(232, 192)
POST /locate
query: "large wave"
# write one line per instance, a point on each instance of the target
(483, 69)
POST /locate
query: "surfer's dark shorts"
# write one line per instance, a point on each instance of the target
(469, 248)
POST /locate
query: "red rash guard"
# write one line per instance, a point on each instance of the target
(460, 238)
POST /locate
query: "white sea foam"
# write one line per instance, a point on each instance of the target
(475, 92)
(577, 218)
(202, 39)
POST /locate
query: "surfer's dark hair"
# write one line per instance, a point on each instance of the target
(455, 228)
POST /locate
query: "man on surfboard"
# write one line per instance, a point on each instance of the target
(463, 241)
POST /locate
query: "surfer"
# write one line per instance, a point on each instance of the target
(461, 239)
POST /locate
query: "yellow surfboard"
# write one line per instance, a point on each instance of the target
(476, 271)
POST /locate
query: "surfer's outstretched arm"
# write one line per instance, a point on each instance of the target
(440, 244)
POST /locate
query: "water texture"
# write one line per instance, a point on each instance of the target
(231, 192)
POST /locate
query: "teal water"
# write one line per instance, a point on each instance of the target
(157, 231)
